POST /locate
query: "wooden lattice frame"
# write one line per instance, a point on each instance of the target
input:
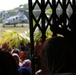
(42, 6)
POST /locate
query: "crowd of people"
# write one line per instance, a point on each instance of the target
(56, 56)
(15, 61)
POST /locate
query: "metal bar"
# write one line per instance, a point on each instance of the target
(74, 5)
(43, 19)
(54, 13)
(64, 12)
(31, 36)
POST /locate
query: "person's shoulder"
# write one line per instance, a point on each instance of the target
(25, 70)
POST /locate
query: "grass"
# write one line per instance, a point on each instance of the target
(18, 28)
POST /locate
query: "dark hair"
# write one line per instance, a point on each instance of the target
(16, 51)
(59, 56)
(7, 64)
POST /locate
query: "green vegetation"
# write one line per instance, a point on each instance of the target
(13, 38)
(14, 35)
(36, 13)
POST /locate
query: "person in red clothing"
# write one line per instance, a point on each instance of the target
(22, 55)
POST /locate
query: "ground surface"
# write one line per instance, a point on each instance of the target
(18, 28)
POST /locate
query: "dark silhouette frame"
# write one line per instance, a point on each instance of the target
(42, 4)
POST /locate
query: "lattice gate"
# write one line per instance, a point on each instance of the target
(67, 7)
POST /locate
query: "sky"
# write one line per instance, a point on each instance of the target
(10, 4)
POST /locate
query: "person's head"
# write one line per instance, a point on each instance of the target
(15, 51)
(58, 56)
(7, 64)
(17, 59)
(9, 49)
(5, 46)
(27, 63)
(24, 71)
